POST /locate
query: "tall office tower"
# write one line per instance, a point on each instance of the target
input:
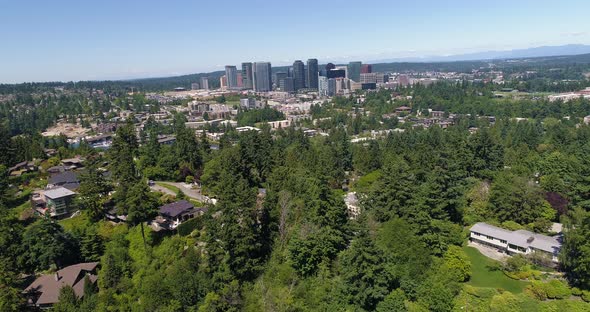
(332, 86)
(280, 76)
(323, 86)
(369, 78)
(195, 86)
(312, 73)
(287, 84)
(231, 74)
(240, 81)
(366, 69)
(354, 71)
(247, 78)
(330, 66)
(262, 76)
(205, 83)
(299, 75)
(223, 82)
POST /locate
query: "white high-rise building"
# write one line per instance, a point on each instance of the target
(231, 74)
(205, 83)
(323, 86)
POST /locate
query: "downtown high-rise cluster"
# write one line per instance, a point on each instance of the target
(258, 76)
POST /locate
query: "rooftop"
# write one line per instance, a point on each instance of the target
(58, 192)
(49, 285)
(175, 209)
(521, 238)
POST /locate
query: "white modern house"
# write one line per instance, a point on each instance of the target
(515, 242)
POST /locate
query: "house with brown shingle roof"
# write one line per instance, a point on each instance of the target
(44, 291)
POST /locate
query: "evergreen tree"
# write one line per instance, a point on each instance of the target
(44, 244)
(93, 192)
(141, 206)
(365, 276)
(67, 300)
(391, 194)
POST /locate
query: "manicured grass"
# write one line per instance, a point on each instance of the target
(484, 276)
(196, 203)
(168, 186)
(78, 222)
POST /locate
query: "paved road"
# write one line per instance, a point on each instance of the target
(186, 189)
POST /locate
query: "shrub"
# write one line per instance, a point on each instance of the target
(576, 291)
(564, 305)
(458, 264)
(558, 290)
(537, 290)
(586, 295)
(520, 275)
(516, 263)
(554, 289)
(481, 292)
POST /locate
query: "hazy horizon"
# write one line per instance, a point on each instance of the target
(72, 41)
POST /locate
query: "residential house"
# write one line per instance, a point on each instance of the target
(403, 110)
(173, 214)
(67, 179)
(515, 242)
(166, 139)
(56, 169)
(22, 167)
(58, 201)
(280, 124)
(44, 291)
(352, 205)
(72, 163)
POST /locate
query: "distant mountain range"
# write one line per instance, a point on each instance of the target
(570, 49)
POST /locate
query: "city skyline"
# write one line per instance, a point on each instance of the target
(64, 40)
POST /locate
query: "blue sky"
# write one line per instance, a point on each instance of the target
(81, 40)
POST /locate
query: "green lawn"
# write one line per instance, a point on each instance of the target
(483, 276)
(76, 223)
(168, 186)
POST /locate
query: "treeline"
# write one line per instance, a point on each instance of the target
(249, 117)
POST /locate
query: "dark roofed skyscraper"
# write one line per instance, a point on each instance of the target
(312, 73)
(298, 75)
(247, 78)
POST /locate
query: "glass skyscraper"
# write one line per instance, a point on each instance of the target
(298, 75)
(231, 74)
(247, 77)
(354, 71)
(262, 76)
(312, 73)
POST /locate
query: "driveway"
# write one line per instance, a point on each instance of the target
(489, 252)
(186, 189)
